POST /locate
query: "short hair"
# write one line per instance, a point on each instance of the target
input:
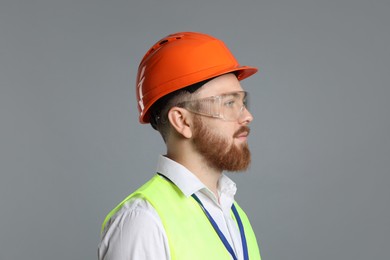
(159, 111)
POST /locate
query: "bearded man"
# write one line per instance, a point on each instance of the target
(188, 88)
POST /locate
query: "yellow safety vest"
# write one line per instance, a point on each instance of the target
(190, 234)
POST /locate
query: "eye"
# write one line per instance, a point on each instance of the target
(229, 103)
(245, 102)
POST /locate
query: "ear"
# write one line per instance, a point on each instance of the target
(181, 121)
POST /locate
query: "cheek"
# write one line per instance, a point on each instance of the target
(220, 128)
(227, 134)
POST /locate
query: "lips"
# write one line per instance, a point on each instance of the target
(242, 132)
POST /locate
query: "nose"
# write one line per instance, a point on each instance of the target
(246, 117)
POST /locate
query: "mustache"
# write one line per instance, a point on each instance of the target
(243, 129)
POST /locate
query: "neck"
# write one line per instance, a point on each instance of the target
(195, 163)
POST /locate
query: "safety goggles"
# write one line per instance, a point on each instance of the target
(228, 107)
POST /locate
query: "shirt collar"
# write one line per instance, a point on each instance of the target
(187, 182)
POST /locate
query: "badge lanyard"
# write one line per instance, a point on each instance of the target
(220, 234)
(218, 231)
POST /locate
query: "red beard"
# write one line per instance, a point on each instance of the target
(217, 151)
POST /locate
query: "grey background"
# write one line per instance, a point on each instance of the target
(71, 147)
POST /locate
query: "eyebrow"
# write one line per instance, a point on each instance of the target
(235, 94)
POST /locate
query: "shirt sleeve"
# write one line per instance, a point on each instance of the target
(135, 232)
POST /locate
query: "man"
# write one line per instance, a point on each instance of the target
(188, 89)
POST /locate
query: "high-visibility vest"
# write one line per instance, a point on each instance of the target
(189, 232)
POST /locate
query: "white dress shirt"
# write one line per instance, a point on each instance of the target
(136, 230)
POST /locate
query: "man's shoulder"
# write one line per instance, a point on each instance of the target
(137, 225)
(136, 208)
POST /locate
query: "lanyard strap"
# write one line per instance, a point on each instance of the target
(242, 233)
(220, 234)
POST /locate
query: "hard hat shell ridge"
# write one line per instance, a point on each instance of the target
(180, 60)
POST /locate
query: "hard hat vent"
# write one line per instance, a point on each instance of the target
(159, 44)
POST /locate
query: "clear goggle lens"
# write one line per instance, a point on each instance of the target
(228, 107)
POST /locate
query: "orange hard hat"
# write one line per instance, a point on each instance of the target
(180, 60)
